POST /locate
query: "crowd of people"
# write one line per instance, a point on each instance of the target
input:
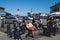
(18, 30)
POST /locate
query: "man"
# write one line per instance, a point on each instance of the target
(54, 26)
(49, 26)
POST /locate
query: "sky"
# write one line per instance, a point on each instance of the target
(25, 6)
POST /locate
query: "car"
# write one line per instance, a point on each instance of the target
(10, 19)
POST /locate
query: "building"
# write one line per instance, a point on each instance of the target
(29, 14)
(55, 8)
(55, 12)
(1, 13)
(2, 9)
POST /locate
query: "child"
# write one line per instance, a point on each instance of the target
(18, 34)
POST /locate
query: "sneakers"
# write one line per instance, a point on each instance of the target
(11, 37)
(18, 39)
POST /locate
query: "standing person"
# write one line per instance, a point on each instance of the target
(8, 28)
(36, 24)
(15, 26)
(54, 26)
(18, 34)
(30, 29)
(40, 26)
(23, 27)
(49, 26)
(11, 32)
(57, 23)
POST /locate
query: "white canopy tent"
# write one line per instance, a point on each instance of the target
(55, 14)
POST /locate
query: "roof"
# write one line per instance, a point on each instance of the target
(55, 4)
(4, 14)
(2, 8)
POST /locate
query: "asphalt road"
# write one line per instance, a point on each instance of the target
(4, 36)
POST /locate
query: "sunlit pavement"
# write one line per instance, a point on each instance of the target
(4, 36)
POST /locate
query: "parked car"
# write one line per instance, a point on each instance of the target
(10, 19)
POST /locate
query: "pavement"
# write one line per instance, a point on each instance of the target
(3, 36)
(40, 37)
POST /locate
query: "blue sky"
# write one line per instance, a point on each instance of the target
(26, 5)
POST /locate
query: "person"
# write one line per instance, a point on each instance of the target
(36, 24)
(8, 28)
(15, 26)
(23, 27)
(54, 27)
(57, 23)
(49, 26)
(30, 29)
(40, 27)
(18, 34)
(17, 31)
(11, 32)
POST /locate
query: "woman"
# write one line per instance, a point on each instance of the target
(30, 28)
